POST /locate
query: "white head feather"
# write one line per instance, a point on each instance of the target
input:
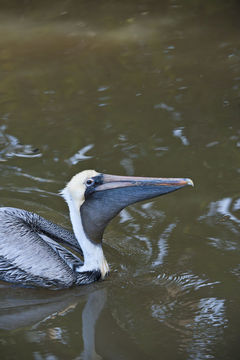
(75, 189)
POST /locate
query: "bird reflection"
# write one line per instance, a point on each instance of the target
(90, 315)
(21, 308)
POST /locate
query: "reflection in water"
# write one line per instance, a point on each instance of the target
(11, 147)
(207, 326)
(222, 207)
(162, 244)
(32, 310)
(164, 107)
(90, 314)
(142, 81)
(80, 155)
(127, 164)
(179, 308)
(7, 170)
(225, 214)
(223, 244)
(183, 282)
(179, 133)
(199, 322)
(236, 272)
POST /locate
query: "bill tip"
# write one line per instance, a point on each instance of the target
(190, 182)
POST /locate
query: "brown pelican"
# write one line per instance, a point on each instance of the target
(30, 250)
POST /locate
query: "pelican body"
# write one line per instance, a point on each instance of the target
(31, 247)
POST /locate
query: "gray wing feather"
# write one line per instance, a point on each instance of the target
(28, 258)
(72, 260)
(54, 231)
(11, 273)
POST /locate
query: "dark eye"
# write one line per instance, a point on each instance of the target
(89, 182)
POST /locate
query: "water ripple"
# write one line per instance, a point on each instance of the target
(163, 245)
(223, 244)
(198, 322)
(164, 107)
(185, 281)
(222, 212)
(80, 155)
(236, 272)
(179, 133)
(28, 190)
(17, 171)
(10, 147)
(209, 322)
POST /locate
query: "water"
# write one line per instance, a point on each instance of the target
(138, 88)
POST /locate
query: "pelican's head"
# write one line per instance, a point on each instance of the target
(76, 188)
(100, 197)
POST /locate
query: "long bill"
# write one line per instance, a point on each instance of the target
(113, 193)
(115, 181)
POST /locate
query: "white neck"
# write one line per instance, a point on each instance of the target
(93, 254)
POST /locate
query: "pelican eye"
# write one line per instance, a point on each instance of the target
(89, 182)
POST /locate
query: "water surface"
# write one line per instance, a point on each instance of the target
(149, 88)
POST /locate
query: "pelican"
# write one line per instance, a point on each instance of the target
(31, 247)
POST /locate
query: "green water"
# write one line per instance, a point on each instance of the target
(148, 88)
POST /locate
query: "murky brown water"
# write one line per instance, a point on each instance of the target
(149, 88)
